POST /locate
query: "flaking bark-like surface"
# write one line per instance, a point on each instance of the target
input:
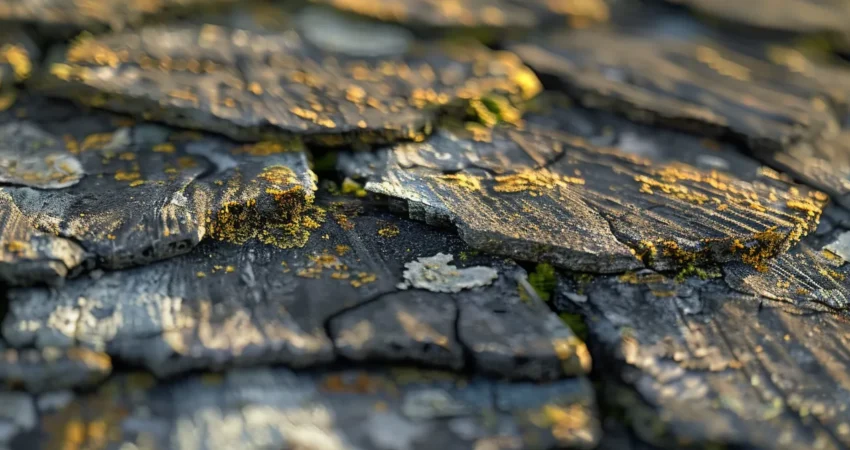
(224, 305)
(544, 195)
(165, 193)
(208, 77)
(29, 256)
(265, 313)
(693, 84)
(800, 16)
(697, 364)
(805, 277)
(823, 163)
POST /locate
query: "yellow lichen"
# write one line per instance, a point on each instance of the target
(351, 187)
(165, 147)
(279, 175)
(831, 274)
(677, 191)
(533, 181)
(7, 99)
(723, 66)
(470, 183)
(279, 212)
(123, 175)
(646, 251)
(765, 245)
(388, 230)
(267, 148)
(341, 250)
(17, 57)
(364, 278)
(565, 423)
(681, 256)
(96, 141)
(17, 247)
(806, 205)
(832, 257)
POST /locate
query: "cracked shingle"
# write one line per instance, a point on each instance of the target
(282, 84)
(224, 305)
(544, 195)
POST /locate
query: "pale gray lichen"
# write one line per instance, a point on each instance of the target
(437, 275)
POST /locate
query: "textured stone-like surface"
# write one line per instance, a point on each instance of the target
(803, 16)
(208, 77)
(823, 163)
(29, 256)
(52, 369)
(543, 195)
(695, 363)
(822, 71)
(188, 256)
(406, 409)
(147, 193)
(691, 83)
(415, 326)
(803, 276)
(476, 13)
(224, 305)
(102, 13)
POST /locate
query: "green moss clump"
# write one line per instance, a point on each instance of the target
(691, 270)
(576, 323)
(464, 256)
(351, 187)
(493, 110)
(325, 162)
(543, 281)
(582, 280)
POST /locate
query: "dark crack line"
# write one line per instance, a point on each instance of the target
(469, 362)
(617, 235)
(326, 325)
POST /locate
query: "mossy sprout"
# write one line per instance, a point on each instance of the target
(576, 324)
(543, 281)
(351, 187)
(691, 270)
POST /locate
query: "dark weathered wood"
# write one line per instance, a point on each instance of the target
(545, 195)
(688, 82)
(224, 305)
(696, 364)
(209, 77)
